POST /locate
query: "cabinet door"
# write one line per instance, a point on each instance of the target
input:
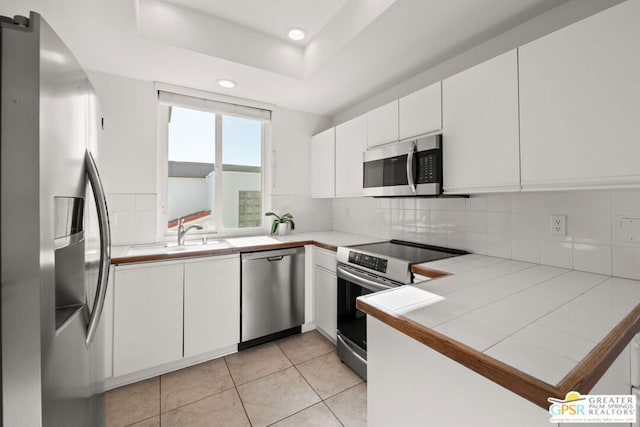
(580, 103)
(480, 121)
(382, 124)
(326, 302)
(211, 304)
(351, 142)
(147, 328)
(323, 164)
(421, 111)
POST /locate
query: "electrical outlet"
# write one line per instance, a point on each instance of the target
(558, 225)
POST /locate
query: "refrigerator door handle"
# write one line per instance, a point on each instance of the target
(105, 246)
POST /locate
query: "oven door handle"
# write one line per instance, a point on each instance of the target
(410, 178)
(361, 281)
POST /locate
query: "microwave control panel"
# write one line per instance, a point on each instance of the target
(368, 261)
(428, 167)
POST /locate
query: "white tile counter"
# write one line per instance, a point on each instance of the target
(541, 320)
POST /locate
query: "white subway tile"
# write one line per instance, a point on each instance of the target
(439, 238)
(476, 203)
(625, 202)
(145, 202)
(592, 258)
(123, 202)
(499, 203)
(524, 202)
(409, 204)
(456, 239)
(397, 203)
(499, 223)
(525, 250)
(591, 228)
(145, 219)
(476, 221)
(456, 204)
(499, 245)
(383, 203)
(525, 225)
(122, 219)
(557, 254)
(591, 202)
(555, 203)
(423, 235)
(625, 262)
(439, 204)
(423, 203)
(438, 219)
(423, 218)
(145, 235)
(476, 243)
(456, 220)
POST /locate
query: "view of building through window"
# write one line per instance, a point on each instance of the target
(193, 148)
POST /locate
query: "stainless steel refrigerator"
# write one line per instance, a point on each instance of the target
(55, 251)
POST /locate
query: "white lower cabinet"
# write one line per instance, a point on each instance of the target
(170, 314)
(147, 329)
(326, 293)
(211, 304)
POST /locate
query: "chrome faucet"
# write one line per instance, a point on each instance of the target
(182, 231)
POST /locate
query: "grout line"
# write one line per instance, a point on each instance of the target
(235, 387)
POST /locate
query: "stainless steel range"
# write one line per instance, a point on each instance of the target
(370, 268)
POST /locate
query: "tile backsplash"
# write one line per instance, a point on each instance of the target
(133, 218)
(516, 226)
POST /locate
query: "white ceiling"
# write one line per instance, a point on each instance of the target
(356, 48)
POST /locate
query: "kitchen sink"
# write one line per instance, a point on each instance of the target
(171, 248)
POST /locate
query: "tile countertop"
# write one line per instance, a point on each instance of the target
(558, 328)
(155, 252)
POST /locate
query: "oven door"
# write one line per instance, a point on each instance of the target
(352, 323)
(408, 168)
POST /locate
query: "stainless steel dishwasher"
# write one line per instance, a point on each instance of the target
(272, 295)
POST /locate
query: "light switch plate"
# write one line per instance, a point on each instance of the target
(630, 230)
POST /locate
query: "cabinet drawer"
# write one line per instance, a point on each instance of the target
(326, 259)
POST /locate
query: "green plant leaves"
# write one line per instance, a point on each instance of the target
(285, 218)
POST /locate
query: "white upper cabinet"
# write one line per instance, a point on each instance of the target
(580, 103)
(480, 123)
(421, 112)
(323, 164)
(382, 124)
(351, 142)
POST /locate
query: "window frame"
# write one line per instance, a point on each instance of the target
(163, 166)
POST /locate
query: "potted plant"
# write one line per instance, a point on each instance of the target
(281, 224)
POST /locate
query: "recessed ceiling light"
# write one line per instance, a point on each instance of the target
(228, 84)
(296, 34)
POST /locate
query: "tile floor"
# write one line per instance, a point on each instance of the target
(296, 381)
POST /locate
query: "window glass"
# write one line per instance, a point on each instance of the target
(192, 166)
(242, 172)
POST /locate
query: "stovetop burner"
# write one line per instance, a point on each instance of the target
(411, 252)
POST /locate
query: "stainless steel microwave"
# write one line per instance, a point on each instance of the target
(407, 168)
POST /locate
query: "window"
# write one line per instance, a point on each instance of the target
(214, 155)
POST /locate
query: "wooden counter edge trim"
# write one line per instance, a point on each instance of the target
(587, 373)
(582, 378)
(212, 252)
(428, 272)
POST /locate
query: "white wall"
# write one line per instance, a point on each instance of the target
(129, 156)
(516, 226)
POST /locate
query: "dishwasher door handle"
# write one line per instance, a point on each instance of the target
(276, 258)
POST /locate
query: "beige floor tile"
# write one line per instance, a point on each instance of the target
(257, 362)
(350, 406)
(191, 384)
(276, 396)
(149, 422)
(328, 375)
(307, 346)
(130, 404)
(316, 416)
(222, 409)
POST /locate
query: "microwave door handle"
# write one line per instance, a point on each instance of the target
(410, 177)
(105, 246)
